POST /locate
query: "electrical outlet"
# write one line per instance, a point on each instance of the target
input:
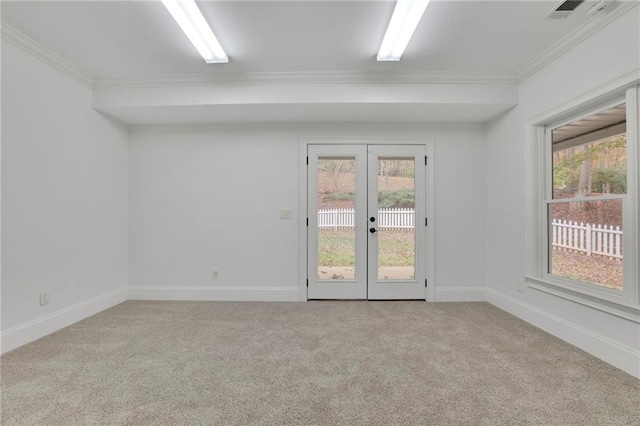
(521, 285)
(44, 297)
(215, 274)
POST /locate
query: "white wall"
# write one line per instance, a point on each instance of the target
(88, 206)
(205, 196)
(611, 53)
(65, 205)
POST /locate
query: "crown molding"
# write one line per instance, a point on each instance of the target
(574, 38)
(590, 27)
(37, 50)
(281, 78)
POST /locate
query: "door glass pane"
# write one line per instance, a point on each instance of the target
(336, 218)
(585, 239)
(396, 219)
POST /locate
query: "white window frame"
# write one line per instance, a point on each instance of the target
(625, 303)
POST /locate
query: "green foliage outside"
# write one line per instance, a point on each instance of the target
(339, 196)
(613, 177)
(566, 171)
(564, 177)
(402, 198)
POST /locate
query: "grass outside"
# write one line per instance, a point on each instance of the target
(337, 247)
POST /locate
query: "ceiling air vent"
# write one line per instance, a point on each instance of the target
(564, 9)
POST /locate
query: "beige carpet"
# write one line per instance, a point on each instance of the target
(351, 363)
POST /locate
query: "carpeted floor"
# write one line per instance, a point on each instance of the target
(351, 363)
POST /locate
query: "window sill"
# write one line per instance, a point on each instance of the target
(617, 308)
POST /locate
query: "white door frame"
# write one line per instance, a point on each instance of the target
(304, 213)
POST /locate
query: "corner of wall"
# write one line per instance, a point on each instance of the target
(621, 356)
(40, 327)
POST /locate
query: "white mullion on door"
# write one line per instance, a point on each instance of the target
(372, 212)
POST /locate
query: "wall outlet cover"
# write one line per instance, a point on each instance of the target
(285, 213)
(44, 297)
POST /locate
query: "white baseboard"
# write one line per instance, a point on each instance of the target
(40, 327)
(622, 357)
(461, 294)
(625, 358)
(239, 294)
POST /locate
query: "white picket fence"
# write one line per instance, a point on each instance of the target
(589, 238)
(565, 235)
(387, 218)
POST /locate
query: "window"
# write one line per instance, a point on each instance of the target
(585, 194)
(583, 179)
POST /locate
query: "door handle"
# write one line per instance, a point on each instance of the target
(372, 230)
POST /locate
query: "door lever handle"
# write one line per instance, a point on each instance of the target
(372, 230)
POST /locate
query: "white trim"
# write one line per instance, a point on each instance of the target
(572, 39)
(338, 289)
(601, 95)
(1, 210)
(620, 356)
(304, 78)
(582, 111)
(534, 152)
(631, 246)
(366, 141)
(619, 309)
(431, 216)
(239, 294)
(583, 199)
(627, 359)
(428, 142)
(397, 289)
(537, 155)
(40, 327)
(590, 27)
(47, 56)
(461, 294)
(302, 223)
(303, 244)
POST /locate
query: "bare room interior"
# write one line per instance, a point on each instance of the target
(320, 212)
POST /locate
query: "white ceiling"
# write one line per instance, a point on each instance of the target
(139, 38)
(296, 60)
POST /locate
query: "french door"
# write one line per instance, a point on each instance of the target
(366, 230)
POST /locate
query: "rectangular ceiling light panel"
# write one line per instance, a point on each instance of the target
(190, 19)
(405, 19)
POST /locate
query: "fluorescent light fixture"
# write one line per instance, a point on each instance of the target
(190, 19)
(404, 21)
